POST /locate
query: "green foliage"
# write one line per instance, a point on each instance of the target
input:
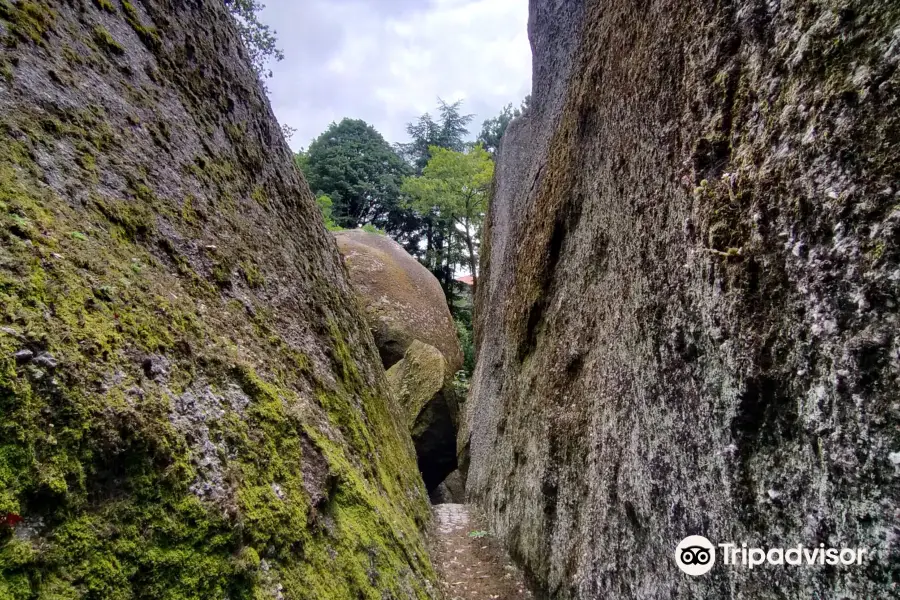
(467, 343)
(301, 159)
(326, 205)
(357, 170)
(449, 132)
(454, 187)
(259, 39)
(372, 229)
(493, 129)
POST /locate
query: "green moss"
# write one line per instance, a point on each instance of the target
(221, 272)
(134, 219)
(417, 379)
(90, 448)
(106, 42)
(189, 213)
(236, 132)
(161, 134)
(53, 126)
(164, 540)
(259, 196)
(105, 5)
(252, 275)
(29, 21)
(877, 251)
(148, 35)
(86, 159)
(71, 56)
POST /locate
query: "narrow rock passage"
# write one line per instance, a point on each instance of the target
(470, 564)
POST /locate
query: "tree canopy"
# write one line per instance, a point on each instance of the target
(449, 131)
(353, 165)
(454, 187)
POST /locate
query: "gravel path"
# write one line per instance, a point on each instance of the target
(471, 567)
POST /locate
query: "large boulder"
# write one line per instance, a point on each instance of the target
(422, 382)
(192, 404)
(687, 318)
(402, 299)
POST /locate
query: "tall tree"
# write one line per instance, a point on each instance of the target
(357, 169)
(454, 186)
(449, 131)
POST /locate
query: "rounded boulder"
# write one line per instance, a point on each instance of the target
(403, 301)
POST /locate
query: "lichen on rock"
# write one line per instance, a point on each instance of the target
(687, 314)
(193, 406)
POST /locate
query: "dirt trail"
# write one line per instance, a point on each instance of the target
(471, 567)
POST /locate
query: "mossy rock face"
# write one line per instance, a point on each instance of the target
(193, 406)
(687, 315)
(402, 299)
(422, 383)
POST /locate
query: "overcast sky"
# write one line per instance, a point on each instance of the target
(387, 61)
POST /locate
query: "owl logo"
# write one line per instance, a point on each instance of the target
(695, 555)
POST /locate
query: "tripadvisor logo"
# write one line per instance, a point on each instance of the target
(696, 555)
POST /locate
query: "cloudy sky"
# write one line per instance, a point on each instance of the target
(388, 61)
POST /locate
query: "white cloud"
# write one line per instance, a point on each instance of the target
(387, 62)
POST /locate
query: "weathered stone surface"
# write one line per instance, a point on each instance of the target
(403, 300)
(451, 491)
(422, 383)
(192, 404)
(687, 321)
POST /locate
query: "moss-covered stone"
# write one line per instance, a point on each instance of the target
(422, 382)
(170, 429)
(418, 378)
(28, 21)
(403, 300)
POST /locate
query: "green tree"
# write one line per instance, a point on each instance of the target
(301, 159)
(454, 186)
(449, 131)
(492, 130)
(259, 39)
(326, 205)
(357, 169)
(464, 333)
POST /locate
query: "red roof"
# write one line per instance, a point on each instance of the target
(466, 279)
